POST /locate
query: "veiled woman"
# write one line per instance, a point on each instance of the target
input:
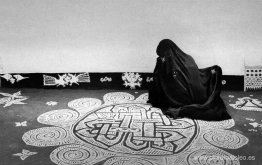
(181, 89)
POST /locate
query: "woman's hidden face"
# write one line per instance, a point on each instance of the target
(165, 55)
(163, 59)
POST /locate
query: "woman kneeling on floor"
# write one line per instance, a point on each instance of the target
(181, 89)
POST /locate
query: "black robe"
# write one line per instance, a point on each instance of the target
(181, 89)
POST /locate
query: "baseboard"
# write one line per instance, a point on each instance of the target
(127, 80)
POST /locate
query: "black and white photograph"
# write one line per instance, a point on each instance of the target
(130, 82)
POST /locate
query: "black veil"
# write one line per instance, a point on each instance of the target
(180, 84)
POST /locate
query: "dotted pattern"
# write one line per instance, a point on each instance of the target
(212, 157)
(225, 124)
(74, 155)
(118, 97)
(58, 117)
(225, 139)
(142, 98)
(128, 131)
(84, 104)
(128, 161)
(47, 136)
(253, 78)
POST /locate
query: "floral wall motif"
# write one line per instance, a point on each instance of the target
(119, 80)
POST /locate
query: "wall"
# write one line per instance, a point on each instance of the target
(122, 35)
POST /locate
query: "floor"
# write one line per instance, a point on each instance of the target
(86, 127)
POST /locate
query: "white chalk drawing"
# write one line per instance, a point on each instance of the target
(47, 136)
(127, 130)
(59, 117)
(247, 104)
(9, 77)
(21, 124)
(118, 97)
(223, 82)
(13, 78)
(252, 130)
(255, 124)
(252, 125)
(149, 79)
(51, 103)
(83, 105)
(130, 160)
(225, 124)
(231, 96)
(66, 79)
(250, 119)
(211, 156)
(225, 139)
(77, 154)
(142, 98)
(24, 154)
(132, 80)
(105, 79)
(10, 99)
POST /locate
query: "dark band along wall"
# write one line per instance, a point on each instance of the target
(126, 80)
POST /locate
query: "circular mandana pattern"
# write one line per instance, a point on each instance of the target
(118, 97)
(85, 103)
(142, 98)
(128, 131)
(127, 161)
(225, 124)
(58, 117)
(135, 128)
(225, 139)
(211, 157)
(47, 136)
(73, 154)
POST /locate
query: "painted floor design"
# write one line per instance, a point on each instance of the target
(128, 130)
(120, 128)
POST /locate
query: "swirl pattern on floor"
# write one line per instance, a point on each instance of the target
(123, 130)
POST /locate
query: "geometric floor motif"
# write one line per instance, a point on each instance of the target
(247, 104)
(10, 99)
(123, 129)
